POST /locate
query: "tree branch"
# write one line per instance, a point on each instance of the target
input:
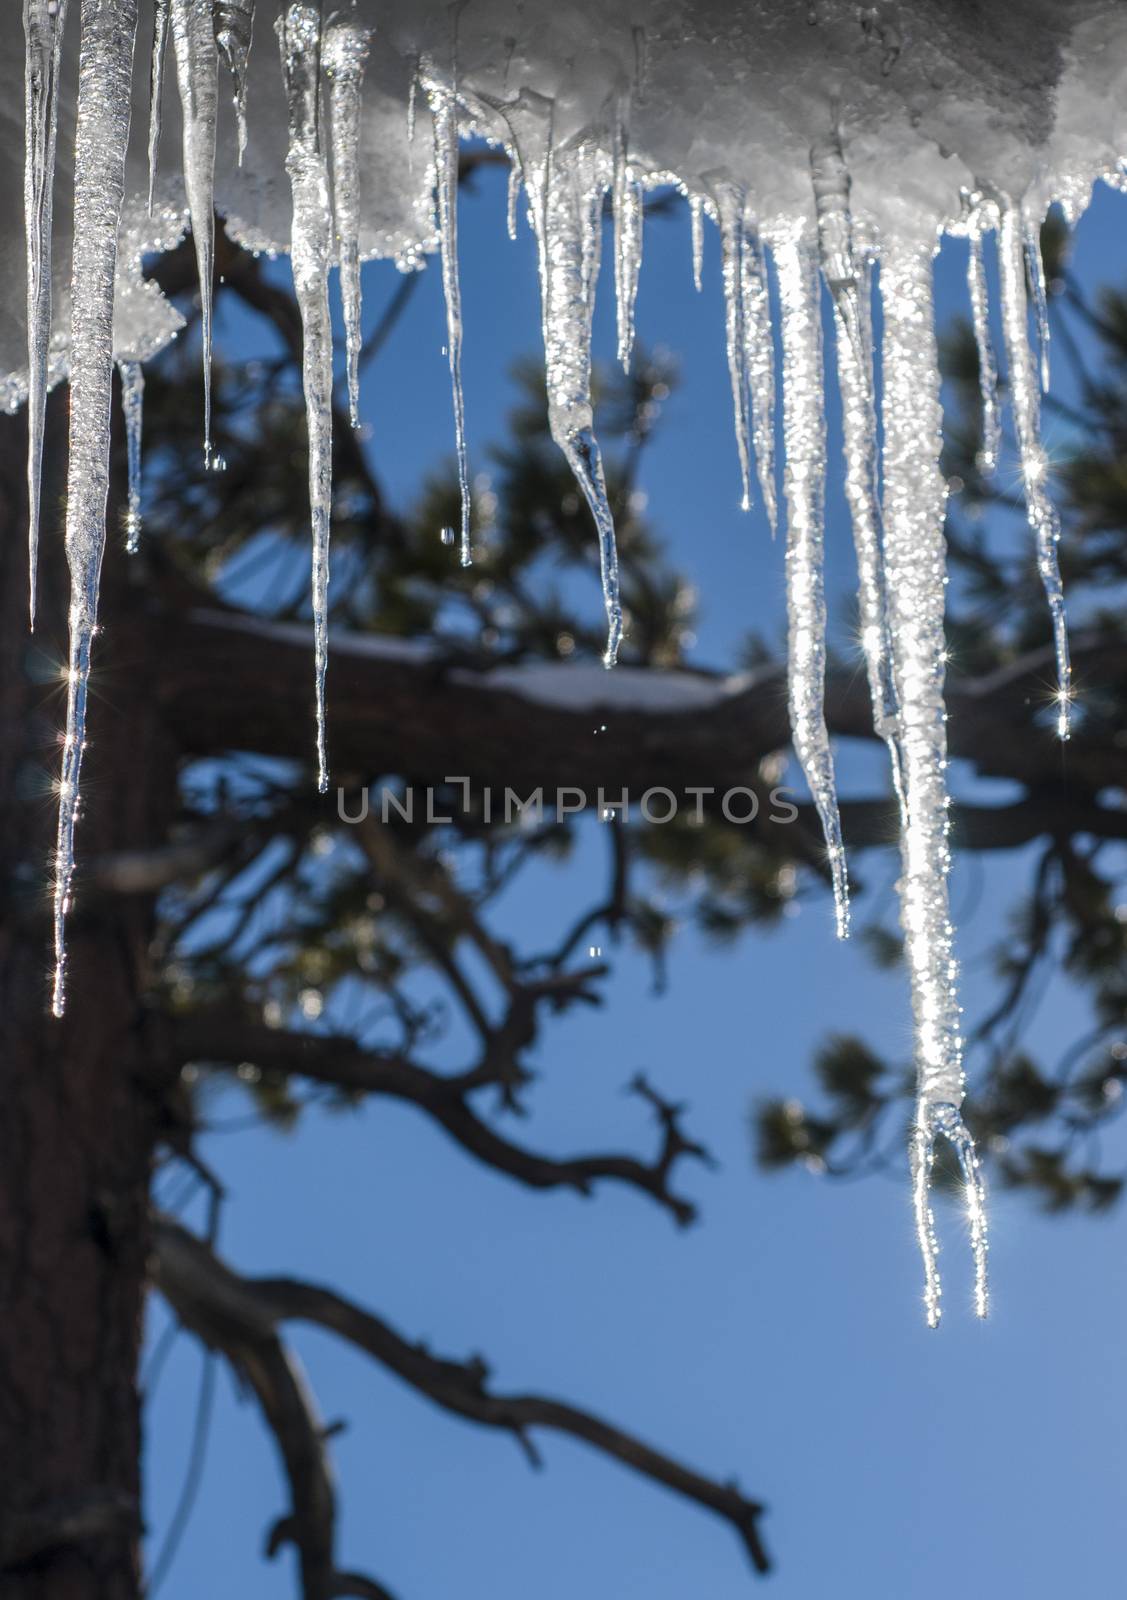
(227, 1037)
(231, 681)
(241, 1315)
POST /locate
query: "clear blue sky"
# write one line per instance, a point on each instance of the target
(782, 1339)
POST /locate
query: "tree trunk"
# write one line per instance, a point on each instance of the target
(78, 1111)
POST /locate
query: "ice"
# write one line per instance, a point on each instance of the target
(1035, 266)
(43, 22)
(696, 224)
(565, 188)
(444, 115)
(311, 251)
(987, 365)
(629, 215)
(513, 195)
(193, 41)
(729, 211)
(234, 26)
(1026, 404)
(804, 431)
(105, 68)
(345, 56)
(132, 380)
(915, 495)
(848, 280)
(759, 362)
(156, 82)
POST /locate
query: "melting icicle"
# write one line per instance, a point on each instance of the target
(345, 56)
(299, 37)
(193, 41)
(915, 553)
(759, 363)
(1031, 238)
(412, 97)
(234, 25)
(987, 366)
(729, 210)
(565, 190)
(444, 114)
(132, 394)
(629, 213)
(43, 22)
(513, 195)
(696, 224)
(1041, 512)
(751, 356)
(848, 283)
(105, 67)
(156, 80)
(805, 434)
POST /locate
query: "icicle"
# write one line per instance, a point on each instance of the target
(565, 189)
(156, 80)
(43, 23)
(987, 366)
(629, 212)
(805, 435)
(193, 41)
(234, 25)
(1041, 512)
(132, 394)
(345, 56)
(105, 67)
(444, 114)
(1031, 238)
(299, 37)
(412, 96)
(729, 209)
(696, 224)
(915, 555)
(513, 195)
(759, 362)
(849, 286)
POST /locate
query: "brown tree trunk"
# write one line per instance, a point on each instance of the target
(78, 1112)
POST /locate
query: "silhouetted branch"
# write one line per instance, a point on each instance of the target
(245, 1312)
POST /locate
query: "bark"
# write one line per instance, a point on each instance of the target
(77, 1124)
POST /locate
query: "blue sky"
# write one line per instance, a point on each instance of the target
(782, 1339)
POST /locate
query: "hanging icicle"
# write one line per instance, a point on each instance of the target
(848, 280)
(629, 215)
(193, 41)
(105, 67)
(132, 397)
(729, 212)
(234, 27)
(1024, 397)
(565, 189)
(804, 480)
(444, 115)
(299, 38)
(512, 194)
(915, 496)
(345, 57)
(1035, 266)
(696, 225)
(759, 361)
(987, 365)
(156, 83)
(43, 22)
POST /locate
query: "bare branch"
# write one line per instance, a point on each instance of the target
(220, 1305)
(228, 1037)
